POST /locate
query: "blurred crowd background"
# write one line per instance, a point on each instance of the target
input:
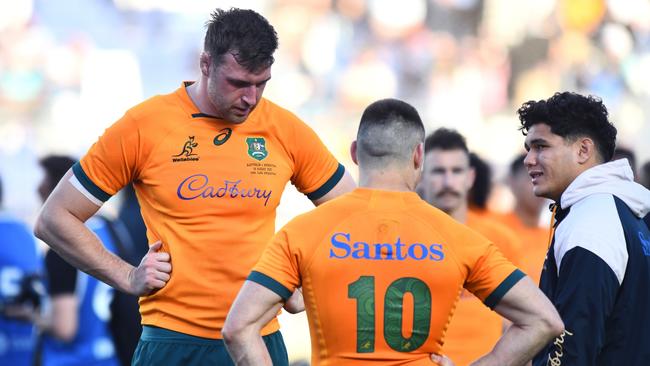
(69, 68)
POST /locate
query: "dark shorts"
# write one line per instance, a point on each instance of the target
(158, 346)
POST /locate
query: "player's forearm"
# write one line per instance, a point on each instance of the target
(246, 347)
(519, 344)
(79, 246)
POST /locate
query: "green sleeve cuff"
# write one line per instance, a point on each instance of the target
(88, 184)
(493, 299)
(327, 186)
(270, 283)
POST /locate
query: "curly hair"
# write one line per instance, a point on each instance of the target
(571, 115)
(245, 34)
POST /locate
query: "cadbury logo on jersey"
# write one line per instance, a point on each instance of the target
(198, 186)
(343, 247)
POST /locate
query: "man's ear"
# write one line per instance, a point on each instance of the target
(585, 149)
(418, 156)
(353, 152)
(204, 63)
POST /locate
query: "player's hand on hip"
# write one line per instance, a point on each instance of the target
(152, 273)
(441, 360)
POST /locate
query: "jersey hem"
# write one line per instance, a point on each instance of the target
(203, 331)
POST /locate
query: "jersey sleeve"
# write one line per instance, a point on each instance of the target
(110, 163)
(491, 275)
(316, 170)
(278, 268)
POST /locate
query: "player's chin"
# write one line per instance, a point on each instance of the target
(237, 118)
(539, 191)
(449, 202)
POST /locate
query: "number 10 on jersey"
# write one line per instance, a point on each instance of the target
(363, 290)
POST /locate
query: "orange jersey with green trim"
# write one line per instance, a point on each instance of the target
(209, 191)
(474, 328)
(381, 273)
(535, 242)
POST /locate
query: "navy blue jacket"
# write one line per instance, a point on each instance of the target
(597, 271)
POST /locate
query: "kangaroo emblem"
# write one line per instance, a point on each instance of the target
(188, 147)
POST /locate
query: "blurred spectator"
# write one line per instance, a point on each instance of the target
(20, 297)
(129, 215)
(625, 153)
(130, 234)
(480, 191)
(121, 233)
(76, 327)
(524, 220)
(300, 363)
(458, 17)
(644, 177)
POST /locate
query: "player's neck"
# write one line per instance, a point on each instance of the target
(459, 214)
(198, 93)
(386, 180)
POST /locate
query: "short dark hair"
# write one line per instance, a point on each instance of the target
(571, 115)
(517, 164)
(55, 167)
(388, 131)
(245, 34)
(445, 139)
(480, 192)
